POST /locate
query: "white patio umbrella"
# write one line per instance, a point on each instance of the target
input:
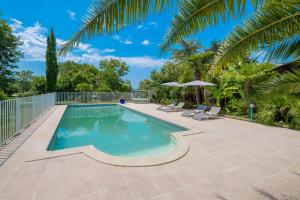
(198, 83)
(172, 84)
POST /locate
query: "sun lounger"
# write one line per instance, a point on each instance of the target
(177, 108)
(211, 114)
(200, 116)
(163, 107)
(190, 113)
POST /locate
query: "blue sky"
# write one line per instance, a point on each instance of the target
(137, 45)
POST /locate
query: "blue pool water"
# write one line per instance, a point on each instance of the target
(113, 129)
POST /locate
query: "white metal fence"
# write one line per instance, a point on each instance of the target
(101, 97)
(16, 114)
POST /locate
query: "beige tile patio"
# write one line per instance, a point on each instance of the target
(143, 189)
(166, 182)
(231, 160)
(184, 193)
(117, 193)
(23, 187)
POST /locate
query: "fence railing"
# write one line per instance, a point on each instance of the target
(101, 97)
(16, 114)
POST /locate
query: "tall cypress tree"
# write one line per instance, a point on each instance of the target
(51, 63)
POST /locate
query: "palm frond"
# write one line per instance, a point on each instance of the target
(284, 50)
(195, 15)
(286, 83)
(107, 16)
(268, 25)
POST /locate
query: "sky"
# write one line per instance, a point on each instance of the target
(137, 45)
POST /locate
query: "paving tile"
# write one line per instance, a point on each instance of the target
(24, 187)
(166, 182)
(185, 193)
(93, 196)
(2, 197)
(33, 168)
(161, 198)
(110, 178)
(257, 194)
(60, 182)
(185, 176)
(143, 189)
(204, 189)
(117, 193)
(286, 184)
(250, 174)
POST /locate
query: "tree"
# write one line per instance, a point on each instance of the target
(170, 71)
(51, 63)
(84, 87)
(39, 84)
(9, 55)
(274, 26)
(24, 80)
(84, 77)
(287, 85)
(73, 76)
(111, 73)
(190, 56)
(193, 15)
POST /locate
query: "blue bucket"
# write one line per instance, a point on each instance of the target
(122, 101)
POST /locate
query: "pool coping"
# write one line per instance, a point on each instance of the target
(180, 150)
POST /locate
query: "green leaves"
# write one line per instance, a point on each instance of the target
(286, 83)
(51, 63)
(195, 15)
(108, 16)
(272, 23)
(284, 50)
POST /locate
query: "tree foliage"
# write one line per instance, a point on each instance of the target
(24, 80)
(111, 73)
(51, 63)
(275, 25)
(9, 56)
(108, 77)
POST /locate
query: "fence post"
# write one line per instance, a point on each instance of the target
(1, 125)
(18, 115)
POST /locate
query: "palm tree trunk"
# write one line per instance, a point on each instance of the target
(199, 100)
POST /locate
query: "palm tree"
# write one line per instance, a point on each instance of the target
(199, 61)
(184, 55)
(274, 27)
(109, 16)
(287, 85)
(275, 24)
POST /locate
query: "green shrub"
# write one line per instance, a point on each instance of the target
(2, 96)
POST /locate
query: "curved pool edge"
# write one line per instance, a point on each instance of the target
(180, 150)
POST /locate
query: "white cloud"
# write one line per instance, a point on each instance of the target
(108, 50)
(154, 24)
(145, 42)
(16, 24)
(127, 41)
(34, 47)
(120, 39)
(71, 14)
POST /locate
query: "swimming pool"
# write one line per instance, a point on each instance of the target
(115, 130)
